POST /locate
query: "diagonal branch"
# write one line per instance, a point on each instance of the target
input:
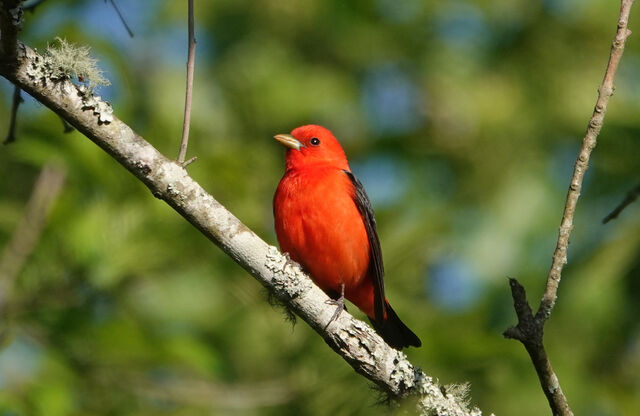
(352, 339)
(605, 91)
(529, 329)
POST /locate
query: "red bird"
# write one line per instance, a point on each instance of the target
(324, 220)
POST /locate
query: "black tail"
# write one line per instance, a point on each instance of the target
(395, 332)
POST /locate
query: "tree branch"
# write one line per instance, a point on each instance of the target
(530, 332)
(605, 91)
(530, 328)
(352, 339)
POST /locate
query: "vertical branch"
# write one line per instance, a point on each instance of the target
(10, 24)
(29, 229)
(189, 92)
(530, 328)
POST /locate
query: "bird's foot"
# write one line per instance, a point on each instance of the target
(338, 303)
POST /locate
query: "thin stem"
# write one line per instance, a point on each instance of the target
(17, 99)
(187, 100)
(628, 200)
(122, 19)
(588, 143)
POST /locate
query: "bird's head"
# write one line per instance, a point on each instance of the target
(312, 145)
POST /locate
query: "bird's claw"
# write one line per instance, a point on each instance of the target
(339, 304)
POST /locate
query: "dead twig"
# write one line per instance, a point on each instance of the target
(529, 331)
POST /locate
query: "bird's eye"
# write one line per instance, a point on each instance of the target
(315, 141)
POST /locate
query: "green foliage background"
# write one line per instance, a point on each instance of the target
(462, 118)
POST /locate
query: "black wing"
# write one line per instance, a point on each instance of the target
(375, 260)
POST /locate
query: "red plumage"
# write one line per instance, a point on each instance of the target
(324, 220)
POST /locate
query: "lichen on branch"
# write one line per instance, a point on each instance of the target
(67, 62)
(64, 60)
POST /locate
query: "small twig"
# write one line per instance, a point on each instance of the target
(32, 6)
(187, 100)
(17, 99)
(631, 196)
(189, 161)
(29, 229)
(530, 327)
(122, 19)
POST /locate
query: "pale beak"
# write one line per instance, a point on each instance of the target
(289, 141)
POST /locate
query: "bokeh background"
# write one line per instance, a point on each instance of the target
(462, 119)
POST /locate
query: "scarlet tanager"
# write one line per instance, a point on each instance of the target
(324, 221)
